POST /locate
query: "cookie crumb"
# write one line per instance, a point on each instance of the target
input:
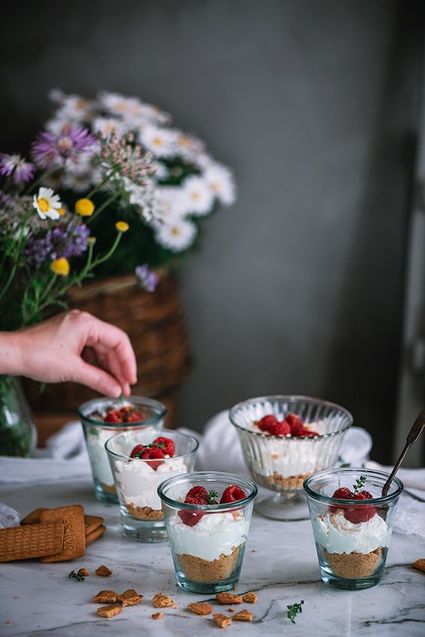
(109, 611)
(103, 571)
(221, 620)
(200, 608)
(84, 572)
(106, 597)
(157, 615)
(419, 565)
(249, 598)
(228, 599)
(243, 616)
(130, 597)
(162, 601)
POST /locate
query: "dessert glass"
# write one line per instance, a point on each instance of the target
(97, 432)
(351, 552)
(137, 480)
(282, 463)
(207, 556)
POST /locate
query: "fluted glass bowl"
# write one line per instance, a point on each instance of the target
(282, 463)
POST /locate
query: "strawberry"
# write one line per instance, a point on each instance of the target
(267, 422)
(166, 445)
(153, 452)
(137, 451)
(295, 423)
(343, 493)
(190, 518)
(198, 492)
(309, 433)
(232, 493)
(280, 429)
(112, 416)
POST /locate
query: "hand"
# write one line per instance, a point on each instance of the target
(76, 346)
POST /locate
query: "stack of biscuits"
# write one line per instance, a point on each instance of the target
(52, 535)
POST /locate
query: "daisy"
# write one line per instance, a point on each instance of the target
(220, 181)
(131, 108)
(170, 202)
(16, 167)
(105, 126)
(53, 150)
(160, 141)
(197, 195)
(72, 108)
(47, 204)
(176, 236)
(188, 145)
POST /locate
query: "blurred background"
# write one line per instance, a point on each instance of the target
(311, 283)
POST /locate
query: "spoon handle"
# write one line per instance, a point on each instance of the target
(412, 437)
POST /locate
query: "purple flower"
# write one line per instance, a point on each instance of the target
(61, 241)
(51, 150)
(16, 167)
(148, 280)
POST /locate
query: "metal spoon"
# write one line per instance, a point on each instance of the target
(416, 430)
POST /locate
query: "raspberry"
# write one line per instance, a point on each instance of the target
(280, 429)
(153, 452)
(137, 451)
(343, 493)
(365, 495)
(166, 445)
(267, 422)
(361, 513)
(112, 416)
(198, 492)
(195, 499)
(295, 423)
(232, 493)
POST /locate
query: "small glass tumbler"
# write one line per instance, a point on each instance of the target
(207, 541)
(97, 432)
(352, 534)
(137, 479)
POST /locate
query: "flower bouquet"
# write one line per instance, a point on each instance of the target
(167, 212)
(47, 243)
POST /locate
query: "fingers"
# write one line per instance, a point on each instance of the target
(96, 378)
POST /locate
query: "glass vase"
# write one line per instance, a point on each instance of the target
(17, 430)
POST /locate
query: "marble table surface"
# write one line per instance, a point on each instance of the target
(280, 564)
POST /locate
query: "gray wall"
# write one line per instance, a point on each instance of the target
(298, 288)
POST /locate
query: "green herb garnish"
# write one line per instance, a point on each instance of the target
(77, 576)
(212, 497)
(294, 609)
(359, 484)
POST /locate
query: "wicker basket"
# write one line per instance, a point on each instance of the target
(155, 325)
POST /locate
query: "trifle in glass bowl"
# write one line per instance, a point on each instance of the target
(103, 418)
(284, 440)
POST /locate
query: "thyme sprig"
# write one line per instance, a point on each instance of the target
(294, 609)
(77, 576)
(359, 484)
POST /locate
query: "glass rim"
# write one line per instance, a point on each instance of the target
(120, 456)
(293, 397)
(143, 400)
(232, 478)
(372, 472)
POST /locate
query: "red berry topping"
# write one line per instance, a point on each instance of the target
(360, 513)
(343, 493)
(295, 423)
(133, 416)
(197, 492)
(151, 453)
(267, 422)
(365, 495)
(190, 518)
(113, 416)
(308, 433)
(232, 493)
(166, 444)
(280, 429)
(137, 451)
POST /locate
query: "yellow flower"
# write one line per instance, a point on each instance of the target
(60, 266)
(122, 226)
(84, 207)
(61, 211)
(91, 240)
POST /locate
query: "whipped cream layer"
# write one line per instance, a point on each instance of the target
(96, 438)
(338, 535)
(286, 457)
(215, 534)
(138, 481)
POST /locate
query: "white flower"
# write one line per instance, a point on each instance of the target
(197, 195)
(176, 236)
(72, 108)
(131, 108)
(220, 180)
(47, 203)
(161, 141)
(105, 126)
(189, 146)
(171, 203)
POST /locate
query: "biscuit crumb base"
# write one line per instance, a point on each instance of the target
(205, 571)
(144, 513)
(278, 482)
(354, 565)
(109, 488)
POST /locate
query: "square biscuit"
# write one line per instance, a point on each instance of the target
(74, 543)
